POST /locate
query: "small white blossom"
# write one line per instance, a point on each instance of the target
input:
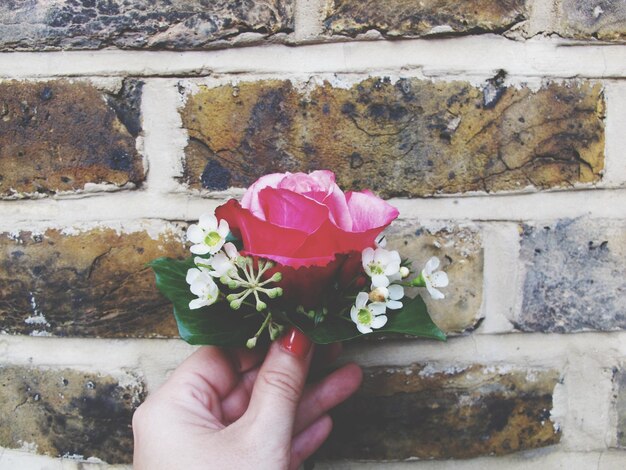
(390, 296)
(208, 236)
(367, 317)
(404, 272)
(380, 264)
(381, 241)
(433, 278)
(223, 263)
(202, 285)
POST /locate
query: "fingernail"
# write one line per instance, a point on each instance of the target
(296, 343)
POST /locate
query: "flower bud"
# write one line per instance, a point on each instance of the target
(379, 294)
(251, 343)
(231, 297)
(404, 272)
(277, 277)
(275, 330)
(235, 304)
(260, 305)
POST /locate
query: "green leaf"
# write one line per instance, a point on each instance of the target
(216, 325)
(412, 319)
(219, 325)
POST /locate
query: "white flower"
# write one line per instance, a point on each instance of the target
(223, 263)
(366, 316)
(207, 235)
(434, 278)
(379, 264)
(381, 241)
(201, 284)
(390, 296)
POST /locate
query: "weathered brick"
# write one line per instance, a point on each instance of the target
(621, 408)
(180, 24)
(91, 283)
(424, 412)
(410, 137)
(64, 412)
(575, 276)
(417, 18)
(460, 251)
(586, 19)
(60, 135)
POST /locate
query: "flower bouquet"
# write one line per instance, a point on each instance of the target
(297, 251)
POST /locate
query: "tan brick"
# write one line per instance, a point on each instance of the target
(588, 19)
(425, 412)
(60, 135)
(68, 24)
(419, 17)
(91, 283)
(64, 412)
(406, 138)
(461, 254)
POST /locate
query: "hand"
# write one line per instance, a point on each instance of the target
(222, 410)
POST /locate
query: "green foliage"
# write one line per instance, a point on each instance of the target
(219, 325)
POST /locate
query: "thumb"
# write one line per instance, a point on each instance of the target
(279, 386)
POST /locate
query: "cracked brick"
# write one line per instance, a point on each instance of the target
(574, 276)
(140, 24)
(92, 283)
(460, 250)
(427, 411)
(593, 19)
(58, 136)
(408, 137)
(64, 412)
(411, 18)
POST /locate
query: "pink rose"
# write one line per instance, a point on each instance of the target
(308, 226)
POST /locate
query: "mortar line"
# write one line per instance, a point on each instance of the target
(539, 57)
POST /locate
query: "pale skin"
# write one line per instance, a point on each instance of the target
(238, 410)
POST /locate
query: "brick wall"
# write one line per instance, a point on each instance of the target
(498, 128)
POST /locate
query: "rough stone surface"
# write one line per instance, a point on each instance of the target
(171, 24)
(460, 251)
(406, 138)
(417, 18)
(586, 19)
(65, 412)
(92, 283)
(426, 412)
(621, 408)
(60, 135)
(575, 276)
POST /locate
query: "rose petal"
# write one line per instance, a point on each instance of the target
(288, 209)
(302, 183)
(369, 211)
(250, 199)
(258, 236)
